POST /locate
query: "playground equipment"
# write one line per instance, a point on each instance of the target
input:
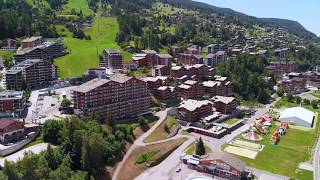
(260, 130)
(252, 136)
(283, 128)
(275, 138)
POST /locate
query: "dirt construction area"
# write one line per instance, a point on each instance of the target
(241, 152)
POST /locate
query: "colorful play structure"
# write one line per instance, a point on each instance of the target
(259, 129)
(252, 136)
(275, 138)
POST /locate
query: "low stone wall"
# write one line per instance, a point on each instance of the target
(15, 147)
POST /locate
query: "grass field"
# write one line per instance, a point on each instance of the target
(231, 121)
(84, 54)
(159, 133)
(191, 149)
(295, 147)
(77, 5)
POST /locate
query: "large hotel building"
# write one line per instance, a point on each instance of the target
(122, 96)
(31, 73)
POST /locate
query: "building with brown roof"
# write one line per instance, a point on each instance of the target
(190, 59)
(213, 48)
(192, 110)
(166, 94)
(31, 42)
(214, 59)
(160, 70)
(121, 96)
(190, 89)
(11, 130)
(177, 71)
(176, 50)
(294, 85)
(225, 87)
(154, 83)
(150, 56)
(31, 73)
(46, 51)
(278, 68)
(112, 58)
(140, 59)
(225, 105)
(282, 53)
(219, 164)
(163, 59)
(12, 103)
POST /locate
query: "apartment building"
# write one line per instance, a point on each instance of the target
(35, 48)
(214, 59)
(177, 71)
(282, 53)
(12, 103)
(163, 59)
(294, 85)
(225, 88)
(278, 68)
(154, 83)
(31, 42)
(214, 48)
(225, 105)
(166, 93)
(122, 96)
(190, 89)
(112, 58)
(190, 59)
(140, 59)
(150, 56)
(31, 73)
(192, 110)
(11, 131)
(194, 49)
(160, 70)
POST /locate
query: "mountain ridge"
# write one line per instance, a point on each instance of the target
(291, 25)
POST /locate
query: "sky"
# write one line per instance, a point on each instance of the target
(306, 12)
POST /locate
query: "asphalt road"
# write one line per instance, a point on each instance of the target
(36, 149)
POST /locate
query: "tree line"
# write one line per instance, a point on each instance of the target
(84, 148)
(248, 77)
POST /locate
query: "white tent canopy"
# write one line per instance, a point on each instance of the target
(299, 115)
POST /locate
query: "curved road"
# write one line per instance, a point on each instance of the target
(139, 142)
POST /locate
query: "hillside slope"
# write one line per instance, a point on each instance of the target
(292, 26)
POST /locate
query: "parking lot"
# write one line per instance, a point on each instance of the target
(45, 106)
